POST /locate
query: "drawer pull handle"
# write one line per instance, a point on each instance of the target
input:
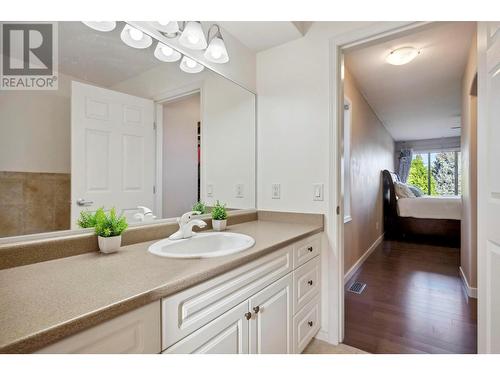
(310, 323)
(310, 282)
(248, 315)
(256, 309)
(310, 249)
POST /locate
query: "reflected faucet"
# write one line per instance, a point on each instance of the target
(186, 224)
(145, 215)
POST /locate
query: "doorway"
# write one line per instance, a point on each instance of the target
(181, 154)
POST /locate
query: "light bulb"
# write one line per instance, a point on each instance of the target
(192, 36)
(136, 34)
(216, 51)
(167, 51)
(190, 66)
(401, 56)
(190, 63)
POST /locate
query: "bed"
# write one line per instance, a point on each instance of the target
(424, 218)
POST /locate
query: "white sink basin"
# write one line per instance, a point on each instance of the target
(203, 245)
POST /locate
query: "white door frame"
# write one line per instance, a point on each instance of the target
(160, 100)
(335, 220)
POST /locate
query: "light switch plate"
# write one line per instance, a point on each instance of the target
(210, 190)
(275, 191)
(318, 192)
(239, 190)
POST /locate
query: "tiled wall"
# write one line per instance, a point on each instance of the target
(34, 202)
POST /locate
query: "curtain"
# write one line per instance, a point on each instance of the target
(405, 156)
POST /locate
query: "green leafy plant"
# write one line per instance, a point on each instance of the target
(86, 219)
(200, 207)
(219, 211)
(109, 225)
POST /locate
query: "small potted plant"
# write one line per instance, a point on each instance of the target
(219, 217)
(86, 219)
(200, 207)
(109, 229)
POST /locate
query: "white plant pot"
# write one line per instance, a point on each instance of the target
(219, 225)
(109, 244)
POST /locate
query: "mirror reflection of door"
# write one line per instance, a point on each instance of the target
(181, 155)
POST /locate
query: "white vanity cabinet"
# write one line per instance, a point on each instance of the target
(270, 305)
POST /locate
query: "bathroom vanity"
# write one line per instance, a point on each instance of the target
(263, 300)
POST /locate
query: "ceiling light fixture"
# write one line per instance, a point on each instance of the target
(190, 66)
(166, 53)
(401, 56)
(101, 25)
(192, 36)
(135, 38)
(168, 27)
(216, 51)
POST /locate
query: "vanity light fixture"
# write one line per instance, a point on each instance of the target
(101, 25)
(216, 51)
(135, 38)
(171, 28)
(190, 66)
(192, 36)
(166, 53)
(401, 56)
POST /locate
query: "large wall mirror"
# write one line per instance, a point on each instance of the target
(124, 129)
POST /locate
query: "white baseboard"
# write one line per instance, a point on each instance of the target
(471, 292)
(360, 261)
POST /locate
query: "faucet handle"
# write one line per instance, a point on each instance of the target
(187, 217)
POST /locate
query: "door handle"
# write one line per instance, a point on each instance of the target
(256, 309)
(83, 202)
(310, 282)
(248, 315)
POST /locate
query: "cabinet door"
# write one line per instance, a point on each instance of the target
(228, 334)
(271, 321)
(137, 331)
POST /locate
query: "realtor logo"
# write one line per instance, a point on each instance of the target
(29, 56)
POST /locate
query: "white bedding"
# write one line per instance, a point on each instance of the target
(449, 207)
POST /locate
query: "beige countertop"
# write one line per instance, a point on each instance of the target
(43, 302)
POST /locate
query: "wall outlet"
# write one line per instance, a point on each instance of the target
(210, 190)
(318, 192)
(275, 191)
(239, 190)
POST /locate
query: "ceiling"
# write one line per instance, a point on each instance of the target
(422, 99)
(98, 57)
(261, 35)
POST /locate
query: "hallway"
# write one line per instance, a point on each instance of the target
(414, 302)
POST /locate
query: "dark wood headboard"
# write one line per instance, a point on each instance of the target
(389, 194)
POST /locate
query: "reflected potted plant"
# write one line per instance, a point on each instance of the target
(200, 207)
(109, 229)
(219, 217)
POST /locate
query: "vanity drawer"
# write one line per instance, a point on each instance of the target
(306, 324)
(306, 250)
(186, 311)
(306, 283)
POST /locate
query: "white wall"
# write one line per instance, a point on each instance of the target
(35, 129)
(228, 128)
(295, 95)
(180, 155)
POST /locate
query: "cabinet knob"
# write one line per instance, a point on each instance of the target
(310, 249)
(310, 282)
(310, 323)
(256, 309)
(248, 315)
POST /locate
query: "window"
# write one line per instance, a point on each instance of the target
(436, 173)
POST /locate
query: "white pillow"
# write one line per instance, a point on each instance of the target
(403, 191)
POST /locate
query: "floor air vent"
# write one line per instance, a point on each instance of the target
(357, 287)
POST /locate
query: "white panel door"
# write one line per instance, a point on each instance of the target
(489, 187)
(228, 334)
(271, 322)
(112, 151)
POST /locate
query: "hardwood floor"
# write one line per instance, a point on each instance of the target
(414, 302)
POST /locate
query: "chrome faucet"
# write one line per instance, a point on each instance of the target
(186, 224)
